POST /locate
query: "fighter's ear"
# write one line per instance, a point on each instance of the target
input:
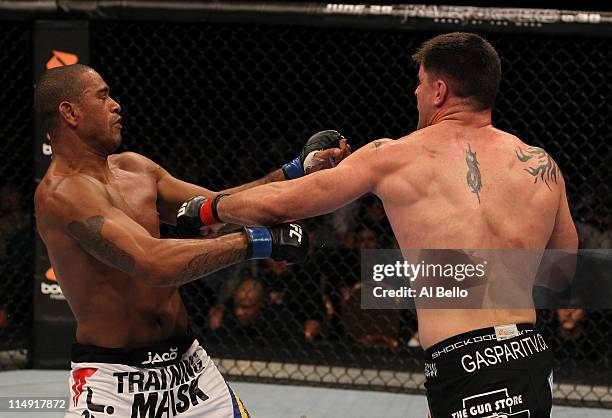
(441, 89)
(68, 113)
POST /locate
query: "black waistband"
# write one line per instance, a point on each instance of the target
(159, 354)
(466, 339)
(509, 346)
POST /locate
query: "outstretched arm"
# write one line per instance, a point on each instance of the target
(173, 192)
(313, 195)
(276, 175)
(118, 241)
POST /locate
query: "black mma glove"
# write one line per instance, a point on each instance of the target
(288, 242)
(284, 242)
(318, 142)
(195, 213)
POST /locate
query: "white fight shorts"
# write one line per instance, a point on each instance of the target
(175, 378)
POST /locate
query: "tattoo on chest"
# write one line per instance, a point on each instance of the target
(541, 166)
(474, 180)
(89, 235)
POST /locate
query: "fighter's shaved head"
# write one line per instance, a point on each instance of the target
(56, 85)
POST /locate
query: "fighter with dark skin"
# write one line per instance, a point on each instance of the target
(99, 215)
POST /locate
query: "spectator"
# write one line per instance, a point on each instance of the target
(365, 239)
(297, 291)
(570, 324)
(575, 337)
(260, 315)
(369, 328)
(248, 300)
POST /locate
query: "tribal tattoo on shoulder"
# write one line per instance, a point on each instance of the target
(474, 179)
(89, 235)
(541, 165)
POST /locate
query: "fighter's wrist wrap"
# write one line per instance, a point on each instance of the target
(208, 210)
(293, 169)
(259, 242)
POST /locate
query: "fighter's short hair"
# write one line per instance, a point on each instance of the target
(469, 64)
(55, 86)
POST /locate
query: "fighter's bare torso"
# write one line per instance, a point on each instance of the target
(112, 309)
(473, 192)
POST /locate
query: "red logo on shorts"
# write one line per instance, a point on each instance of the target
(79, 377)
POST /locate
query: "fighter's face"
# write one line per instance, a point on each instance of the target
(99, 122)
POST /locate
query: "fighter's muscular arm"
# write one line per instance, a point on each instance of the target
(316, 194)
(115, 239)
(564, 234)
(172, 192)
(561, 265)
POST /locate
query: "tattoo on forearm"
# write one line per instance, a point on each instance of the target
(474, 180)
(542, 166)
(89, 235)
(206, 263)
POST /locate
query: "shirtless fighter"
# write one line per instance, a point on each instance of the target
(99, 214)
(456, 182)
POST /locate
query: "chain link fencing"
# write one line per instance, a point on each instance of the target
(16, 189)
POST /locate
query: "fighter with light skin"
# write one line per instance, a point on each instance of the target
(456, 182)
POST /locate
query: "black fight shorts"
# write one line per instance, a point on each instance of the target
(505, 371)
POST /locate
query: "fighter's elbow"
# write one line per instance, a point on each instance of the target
(151, 272)
(273, 215)
(159, 279)
(271, 211)
(145, 273)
